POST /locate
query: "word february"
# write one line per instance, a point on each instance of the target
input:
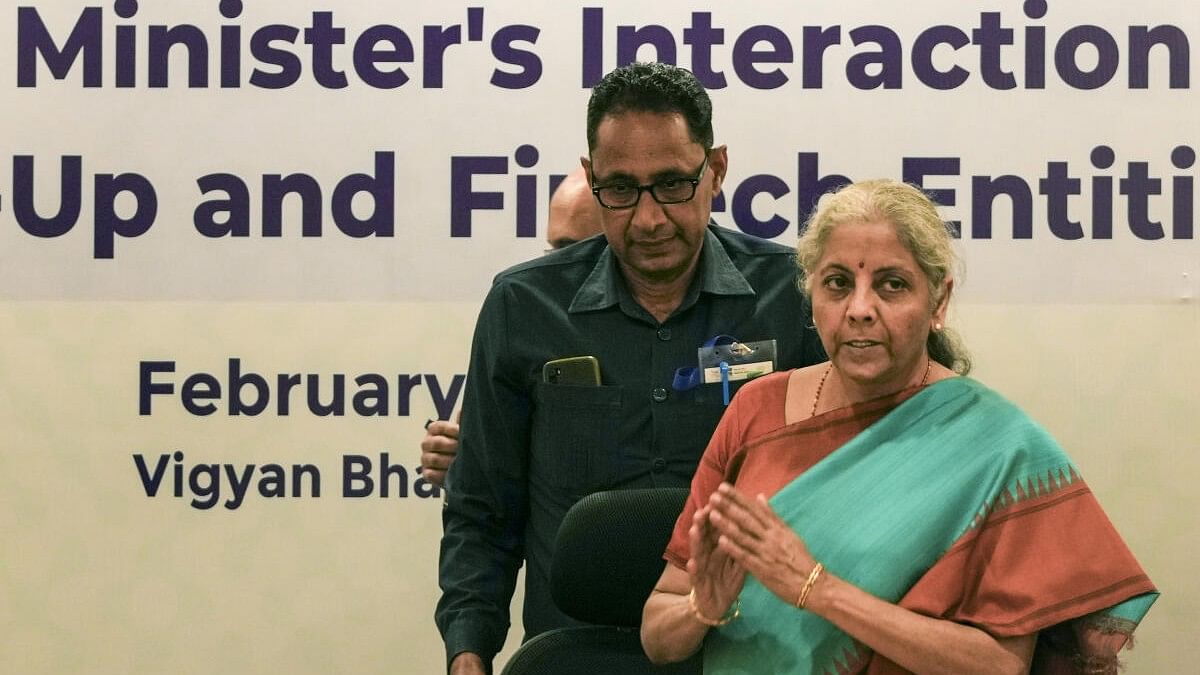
(248, 393)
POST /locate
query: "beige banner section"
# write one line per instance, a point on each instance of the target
(97, 577)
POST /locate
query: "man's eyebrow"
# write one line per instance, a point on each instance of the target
(665, 174)
(618, 176)
(672, 173)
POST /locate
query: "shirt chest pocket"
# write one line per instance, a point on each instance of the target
(575, 436)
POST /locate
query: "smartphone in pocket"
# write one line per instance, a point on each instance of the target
(573, 370)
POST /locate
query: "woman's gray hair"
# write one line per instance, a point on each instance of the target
(920, 229)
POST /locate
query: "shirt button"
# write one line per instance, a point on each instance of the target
(664, 334)
(659, 394)
(660, 465)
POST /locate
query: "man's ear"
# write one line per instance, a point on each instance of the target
(587, 169)
(718, 164)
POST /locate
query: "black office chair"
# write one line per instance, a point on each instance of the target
(607, 558)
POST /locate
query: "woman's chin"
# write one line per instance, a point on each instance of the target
(862, 371)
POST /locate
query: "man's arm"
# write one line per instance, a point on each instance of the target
(486, 509)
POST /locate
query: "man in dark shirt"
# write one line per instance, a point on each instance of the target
(642, 299)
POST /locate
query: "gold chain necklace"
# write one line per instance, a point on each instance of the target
(821, 384)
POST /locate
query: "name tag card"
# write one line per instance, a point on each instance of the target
(744, 360)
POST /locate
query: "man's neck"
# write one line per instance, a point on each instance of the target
(660, 297)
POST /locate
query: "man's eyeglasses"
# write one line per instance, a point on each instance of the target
(666, 191)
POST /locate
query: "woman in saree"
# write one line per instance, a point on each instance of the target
(882, 513)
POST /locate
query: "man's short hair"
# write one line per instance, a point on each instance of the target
(652, 87)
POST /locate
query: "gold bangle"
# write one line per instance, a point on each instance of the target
(729, 615)
(808, 585)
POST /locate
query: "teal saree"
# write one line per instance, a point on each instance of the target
(948, 501)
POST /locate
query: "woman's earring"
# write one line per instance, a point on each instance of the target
(937, 327)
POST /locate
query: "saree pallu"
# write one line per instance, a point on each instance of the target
(950, 502)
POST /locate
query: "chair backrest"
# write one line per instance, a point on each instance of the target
(607, 558)
(608, 554)
(592, 650)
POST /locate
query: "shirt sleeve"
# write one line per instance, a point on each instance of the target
(487, 494)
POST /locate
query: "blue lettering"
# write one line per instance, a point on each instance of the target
(24, 209)
(743, 206)
(146, 385)
(464, 200)
(889, 75)
(368, 56)
(528, 62)
(922, 57)
(33, 40)
(745, 56)
(108, 223)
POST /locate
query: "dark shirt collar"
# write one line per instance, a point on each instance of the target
(716, 274)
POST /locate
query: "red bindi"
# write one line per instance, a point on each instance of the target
(861, 264)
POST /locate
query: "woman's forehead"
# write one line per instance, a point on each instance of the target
(866, 245)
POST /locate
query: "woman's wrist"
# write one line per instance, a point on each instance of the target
(822, 594)
(734, 611)
(814, 576)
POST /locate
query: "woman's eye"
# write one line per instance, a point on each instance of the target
(894, 284)
(836, 283)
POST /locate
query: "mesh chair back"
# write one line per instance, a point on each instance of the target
(591, 650)
(608, 554)
(607, 558)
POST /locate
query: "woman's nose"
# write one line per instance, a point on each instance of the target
(862, 304)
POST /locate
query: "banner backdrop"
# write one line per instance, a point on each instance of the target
(242, 245)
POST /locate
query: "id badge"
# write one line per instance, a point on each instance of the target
(743, 360)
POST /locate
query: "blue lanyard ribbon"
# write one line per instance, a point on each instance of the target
(690, 377)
